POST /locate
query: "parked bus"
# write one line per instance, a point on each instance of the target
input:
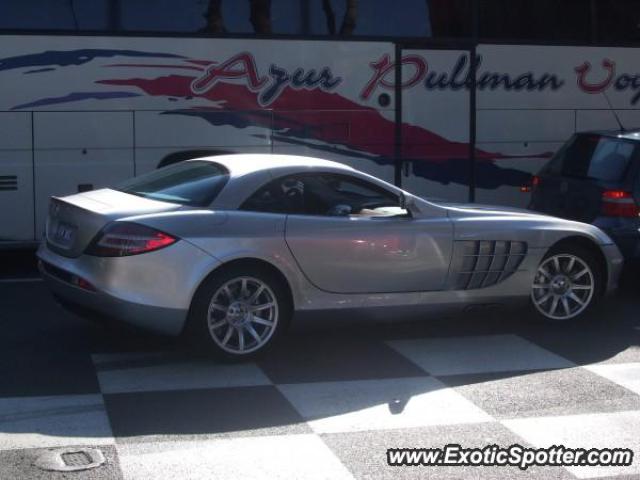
(453, 100)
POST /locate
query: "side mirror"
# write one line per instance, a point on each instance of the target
(403, 201)
(408, 204)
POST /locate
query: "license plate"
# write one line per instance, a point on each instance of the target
(64, 234)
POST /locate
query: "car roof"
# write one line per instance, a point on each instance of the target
(250, 171)
(248, 163)
(632, 134)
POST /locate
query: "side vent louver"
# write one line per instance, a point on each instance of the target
(8, 182)
(484, 263)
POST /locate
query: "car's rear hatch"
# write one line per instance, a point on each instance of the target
(75, 220)
(578, 181)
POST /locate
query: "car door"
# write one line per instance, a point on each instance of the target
(350, 236)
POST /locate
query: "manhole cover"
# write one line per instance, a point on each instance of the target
(70, 459)
(76, 459)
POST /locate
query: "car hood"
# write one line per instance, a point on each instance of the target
(521, 218)
(463, 209)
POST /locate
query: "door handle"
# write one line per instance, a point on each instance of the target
(406, 167)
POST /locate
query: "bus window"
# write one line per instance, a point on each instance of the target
(451, 18)
(161, 15)
(542, 20)
(618, 21)
(54, 15)
(287, 16)
(260, 16)
(213, 16)
(373, 18)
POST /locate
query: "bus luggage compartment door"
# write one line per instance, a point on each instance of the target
(79, 151)
(16, 178)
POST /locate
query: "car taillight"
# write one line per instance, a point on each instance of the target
(535, 181)
(618, 203)
(82, 283)
(120, 239)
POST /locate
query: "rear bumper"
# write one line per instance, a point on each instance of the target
(105, 307)
(152, 291)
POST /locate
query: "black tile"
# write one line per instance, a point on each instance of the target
(602, 341)
(259, 410)
(307, 359)
(33, 321)
(34, 373)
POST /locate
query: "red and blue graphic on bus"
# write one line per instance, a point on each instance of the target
(300, 106)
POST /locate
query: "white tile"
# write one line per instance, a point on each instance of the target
(380, 404)
(626, 375)
(120, 373)
(279, 457)
(478, 354)
(598, 430)
(41, 422)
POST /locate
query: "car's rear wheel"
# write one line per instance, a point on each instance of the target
(567, 284)
(238, 313)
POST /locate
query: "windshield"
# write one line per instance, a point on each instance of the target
(594, 157)
(193, 183)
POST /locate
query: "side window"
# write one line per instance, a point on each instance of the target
(196, 183)
(326, 195)
(284, 195)
(611, 160)
(354, 197)
(593, 156)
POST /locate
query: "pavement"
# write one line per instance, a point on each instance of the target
(326, 403)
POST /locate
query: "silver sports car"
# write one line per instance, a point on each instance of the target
(226, 248)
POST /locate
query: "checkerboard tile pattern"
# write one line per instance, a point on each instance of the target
(329, 409)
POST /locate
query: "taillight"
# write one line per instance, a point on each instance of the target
(120, 239)
(618, 203)
(82, 283)
(535, 181)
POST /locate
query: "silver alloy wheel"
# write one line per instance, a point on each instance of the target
(242, 315)
(563, 287)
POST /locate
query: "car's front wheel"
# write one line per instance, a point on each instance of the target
(567, 283)
(238, 313)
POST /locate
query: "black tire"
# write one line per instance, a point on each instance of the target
(589, 259)
(201, 337)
